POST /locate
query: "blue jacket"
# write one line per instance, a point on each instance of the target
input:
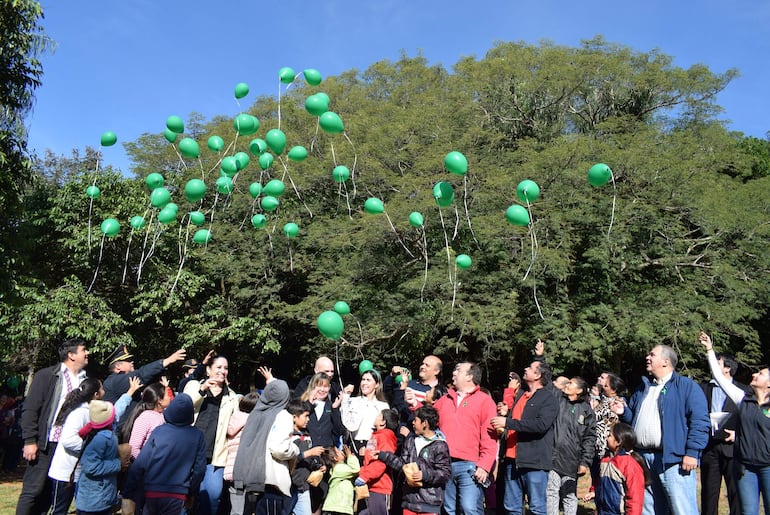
(97, 488)
(684, 417)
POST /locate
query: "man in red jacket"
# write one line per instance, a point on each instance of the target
(465, 415)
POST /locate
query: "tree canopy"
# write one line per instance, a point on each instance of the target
(676, 240)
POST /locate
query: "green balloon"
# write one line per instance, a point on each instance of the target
(175, 124)
(241, 90)
(324, 97)
(266, 160)
(276, 140)
(298, 153)
(291, 230)
(202, 236)
(93, 192)
(463, 261)
(197, 218)
(259, 221)
(110, 227)
(517, 215)
(166, 215)
(365, 366)
(599, 175)
(172, 206)
(341, 307)
(269, 203)
(331, 123)
(194, 190)
(312, 76)
(330, 324)
(416, 219)
(225, 185)
(528, 191)
(137, 222)
(316, 104)
(456, 163)
(274, 187)
(160, 197)
(108, 139)
(215, 143)
(153, 180)
(242, 160)
(188, 147)
(255, 189)
(229, 165)
(341, 173)
(258, 146)
(443, 193)
(286, 75)
(246, 124)
(374, 206)
(170, 135)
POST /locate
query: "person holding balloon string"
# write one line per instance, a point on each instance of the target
(360, 412)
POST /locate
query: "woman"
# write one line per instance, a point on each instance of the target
(214, 404)
(752, 434)
(325, 426)
(359, 413)
(73, 415)
(147, 415)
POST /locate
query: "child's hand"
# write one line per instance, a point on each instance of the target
(267, 373)
(375, 454)
(134, 383)
(346, 450)
(589, 496)
(314, 451)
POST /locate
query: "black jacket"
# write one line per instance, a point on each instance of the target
(38, 410)
(436, 467)
(326, 432)
(574, 436)
(732, 421)
(534, 447)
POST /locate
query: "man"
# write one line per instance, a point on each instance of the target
(717, 459)
(670, 417)
(47, 392)
(322, 365)
(408, 399)
(529, 442)
(121, 367)
(465, 415)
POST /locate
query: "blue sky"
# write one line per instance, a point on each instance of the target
(127, 66)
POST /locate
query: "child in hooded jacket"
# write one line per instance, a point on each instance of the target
(374, 473)
(341, 495)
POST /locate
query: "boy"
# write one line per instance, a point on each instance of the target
(308, 456)
(425, 462)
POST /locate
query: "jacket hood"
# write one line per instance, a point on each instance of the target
(180, 412)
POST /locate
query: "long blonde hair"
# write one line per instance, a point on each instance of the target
(315, 382)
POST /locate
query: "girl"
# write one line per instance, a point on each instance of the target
(374, 473)
(146, 416)
(344, 467)
(623, 475)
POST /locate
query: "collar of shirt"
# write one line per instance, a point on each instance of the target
(663, 380)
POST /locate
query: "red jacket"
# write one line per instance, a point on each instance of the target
(468, 428)
(374, 471)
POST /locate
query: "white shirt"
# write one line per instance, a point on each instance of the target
(358, 414)
(649, 434)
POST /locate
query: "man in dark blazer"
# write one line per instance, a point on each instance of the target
(717, 458)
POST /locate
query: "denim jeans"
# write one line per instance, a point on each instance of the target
(520, 481)
(462, 485)
(751, 481)
(672, 490)
(211, 490)
(301, 503)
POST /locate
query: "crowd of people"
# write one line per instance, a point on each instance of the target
(393, 443)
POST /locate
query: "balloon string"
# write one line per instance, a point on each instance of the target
(182, 258)
(144, 248)
(291, 258)
(533, 241)
(90, 209)
(279, 104)
(334, 156)
(467, 214)
(397, 236)
(457, 223)
(347, 199)
(98, 263)
(537, 303)
(125, 261)
(614, 199)
(253, 209)
(425, 255)
(355, 163)
(454, 295)
(155, 237)
(294, 186)
(446, 245)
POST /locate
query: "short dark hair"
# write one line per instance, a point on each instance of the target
(475, 372)
(297, 407)
(729, 362)
(248, 401)
(428, 414)
(391, 418)
(68, 346)
(546, 374)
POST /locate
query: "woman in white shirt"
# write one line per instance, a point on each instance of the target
(358, 413)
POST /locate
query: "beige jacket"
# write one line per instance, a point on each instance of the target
(226, 409)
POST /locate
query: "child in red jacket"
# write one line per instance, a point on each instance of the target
(374, 473)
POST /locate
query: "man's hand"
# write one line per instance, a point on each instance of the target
(730, 435)
(30, 452)
(177, 356)
(498, 422)
(208, 357)
(502, 409)
(480, 475)
(618, 406)
(314, 451)
(689, 463)
(539, 347)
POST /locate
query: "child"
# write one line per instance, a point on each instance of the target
(171, 464)
(623, 475)
(374, 473)
(308, 457)
(344, 467)
(234, 431)
(426, 464)
(98, 484)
